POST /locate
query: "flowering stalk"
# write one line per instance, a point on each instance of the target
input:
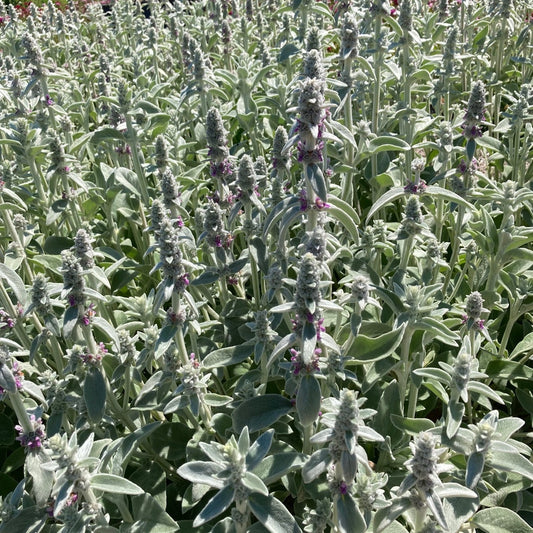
(60, 170)
(448, 59)
(42, 310)
(411, 226)
(474, 325)
(502, 39)
(218, 152)
(349, 50)
(359, 296)
(475, 113)
(405, 21)
(65, 461)
(423, 479)
(247, 196)
(35, 58)
(310, 128)
(379, 8)
(280, 163)
(124, 101)
(175, 279)
(445, 143)
(308, 325)
(225, 31)
(344, 460)
(264, 337)
(519, 154)
(28, 144)
(153, 46)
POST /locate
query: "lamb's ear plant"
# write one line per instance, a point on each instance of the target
(266, 266)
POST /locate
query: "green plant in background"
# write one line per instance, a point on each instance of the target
(266, 267)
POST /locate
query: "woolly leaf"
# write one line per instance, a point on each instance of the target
(260, 412)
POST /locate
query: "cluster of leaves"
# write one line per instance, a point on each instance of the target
(278, 251)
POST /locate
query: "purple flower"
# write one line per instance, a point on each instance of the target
(34, 439)
(303, 200)
(6, 321)
(233, 280)
(310, 156)
(320, 204)
(320, 329)
(221, 170)
(413, 188)
(472, 131)
(181, 282)
(86, 319)
(176, 318)
(72, 300)
(91, 359)
(194, 362)
(298, 366)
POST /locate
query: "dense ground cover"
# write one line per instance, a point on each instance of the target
(266, 267)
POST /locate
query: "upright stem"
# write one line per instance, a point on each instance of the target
(407, 98)
(311, 199)
(406, 363)
(179, 337)
(348, 189)
(127, 387)
(37, 179)
(406, 253)
(132, 138)
(378, 57)
(456, 245)
(253, 266)
(308, 433)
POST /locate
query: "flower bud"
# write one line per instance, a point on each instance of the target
(405, 20)
(161, 153)
(316, 244)
(216, 135)
(171, 257)
(123, 96)
(474, 306)
(127, 350)
(169, 189)
(424, 463)
(83, 249)
(443, 9)
(312, 67)
(200, 66)
(313, 39)
(307, 296)
(475, 111)
(279, 159)
(448, 54)
(40, 301)
(413, 219)
(246, 179)
(33, 51)
(349, 37)
(360, 289)
(73, 284)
